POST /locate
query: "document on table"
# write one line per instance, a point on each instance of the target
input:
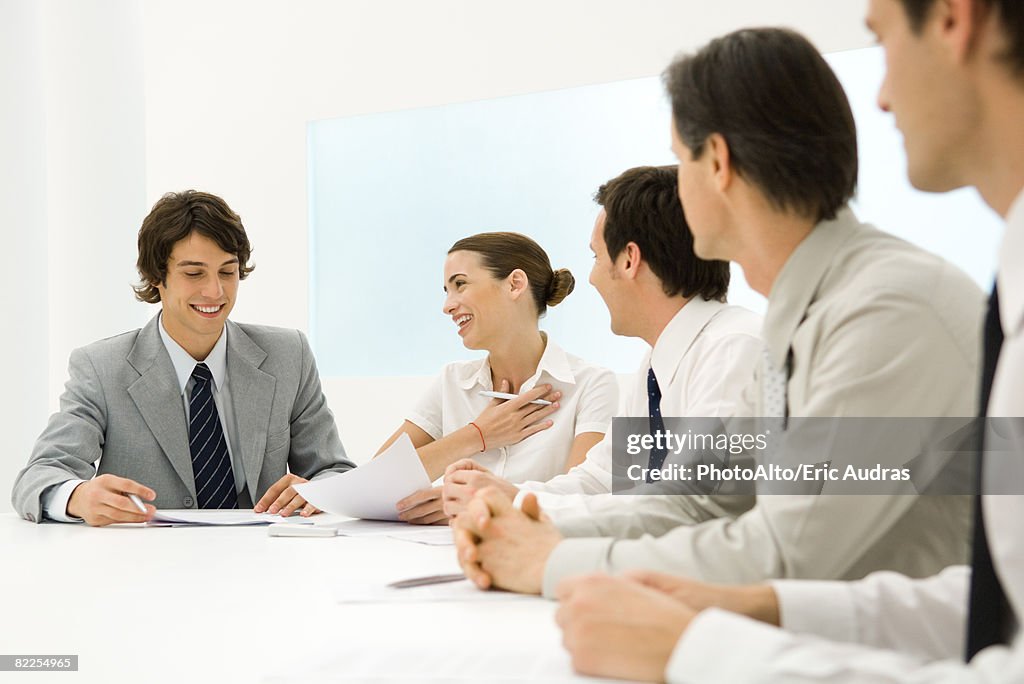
(371, 490)
(431, 535)
(224, 518)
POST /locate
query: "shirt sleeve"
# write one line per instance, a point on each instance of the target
(597, 404)
(55, 501)
(921, 623)
(922, 617)
(632, 516)
(428, 414)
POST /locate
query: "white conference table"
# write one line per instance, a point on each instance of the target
(216, 604)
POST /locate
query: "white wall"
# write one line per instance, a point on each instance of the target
(72, 171)
(138, 98)
(23, 279)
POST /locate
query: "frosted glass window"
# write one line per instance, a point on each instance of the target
(391, 192)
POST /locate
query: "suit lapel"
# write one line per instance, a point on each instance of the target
(157, 395)
(252, 393)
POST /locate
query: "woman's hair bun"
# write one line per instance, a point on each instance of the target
(562, 284)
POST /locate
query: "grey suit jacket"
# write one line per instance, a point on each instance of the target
(873, 326)
(122, 406)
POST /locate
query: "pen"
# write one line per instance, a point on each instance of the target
(137, 501)
(423, 581)
(507, 395)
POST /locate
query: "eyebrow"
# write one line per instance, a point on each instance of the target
(452, 279)
(185, 264)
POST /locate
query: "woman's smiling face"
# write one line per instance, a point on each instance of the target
(473, 299)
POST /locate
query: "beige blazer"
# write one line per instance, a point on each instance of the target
(871, 326)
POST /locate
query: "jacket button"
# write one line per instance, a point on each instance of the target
(187, 502)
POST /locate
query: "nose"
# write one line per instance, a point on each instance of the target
(448, 308)
(883, 96)
(213, 288)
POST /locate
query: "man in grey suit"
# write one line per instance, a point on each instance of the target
(193, 410)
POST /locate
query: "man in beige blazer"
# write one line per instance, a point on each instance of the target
(857, 323)
(193, 410)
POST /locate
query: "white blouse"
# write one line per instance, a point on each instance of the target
(589, 399)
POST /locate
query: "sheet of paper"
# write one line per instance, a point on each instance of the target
(371, 490)
(369, 528)
(431, 535)
(376, 592)
(187, 516)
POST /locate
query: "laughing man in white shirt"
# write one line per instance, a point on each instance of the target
(955, 84)
(703, 351)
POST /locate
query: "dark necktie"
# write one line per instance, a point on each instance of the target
(657, 456)
(988, 608)
(211, 464)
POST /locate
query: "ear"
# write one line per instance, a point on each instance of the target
(961, 25)
(717, 150)
(629, 260)
(518, 282)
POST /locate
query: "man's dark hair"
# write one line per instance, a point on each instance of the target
(176, 216)
(782, 112)
(1011, 19)
(642, 206)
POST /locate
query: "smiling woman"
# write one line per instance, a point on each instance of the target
(497, 286)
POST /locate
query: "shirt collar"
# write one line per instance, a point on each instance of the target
(554, 361)
(1010, 274)
(678, 336)
(184, 364)
(797, 283)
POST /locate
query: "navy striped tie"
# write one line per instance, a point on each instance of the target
(211, 464)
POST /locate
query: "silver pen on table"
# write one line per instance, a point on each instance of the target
(424, 581)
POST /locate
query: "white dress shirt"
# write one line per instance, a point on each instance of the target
(589, 399)
(703, 359)
(55, 500)
(888, 627)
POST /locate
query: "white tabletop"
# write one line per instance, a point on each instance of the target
(209, 604)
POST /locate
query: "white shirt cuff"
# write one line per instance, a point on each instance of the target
(707, 651)
(518, 501)
(55, 501)
(825, 609)
(574, 557)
